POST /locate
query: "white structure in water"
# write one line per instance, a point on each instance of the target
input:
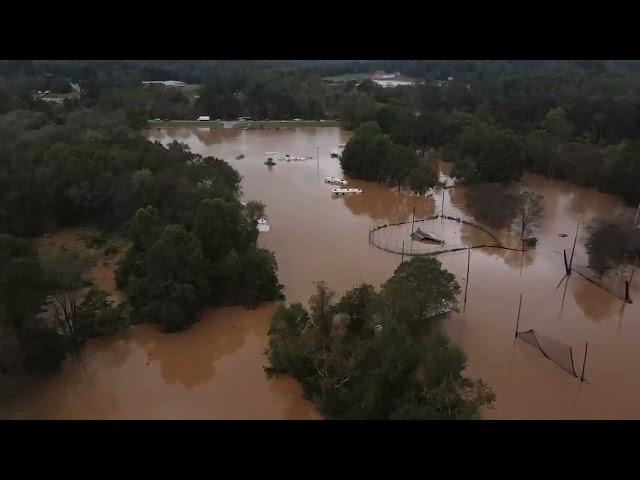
(204, 118)
(335, 181)
(263, 226)
(289, 158)
(341, 192)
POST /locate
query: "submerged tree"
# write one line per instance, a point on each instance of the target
(492, 204)
(609, 245)
(529, 213)
(420, 180)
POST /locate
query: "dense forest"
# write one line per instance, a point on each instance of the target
(574, 120)
(191, 241)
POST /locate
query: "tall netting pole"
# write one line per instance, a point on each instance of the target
(467, 282)
(413, 217)
(575, 240)
(518, 321)
(584, 362)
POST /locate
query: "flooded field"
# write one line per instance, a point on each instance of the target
(215, 369)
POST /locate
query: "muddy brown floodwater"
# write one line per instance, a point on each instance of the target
(215, 369)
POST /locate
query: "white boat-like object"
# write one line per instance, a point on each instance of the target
(335, 153)
(263, 225)
(335, 181)
(290, 158)
(341, 192)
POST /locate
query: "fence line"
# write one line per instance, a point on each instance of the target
(375, 240)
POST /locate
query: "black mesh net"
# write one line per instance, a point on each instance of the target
(556, 351)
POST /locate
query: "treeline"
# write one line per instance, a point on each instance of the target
(377, 354)
(193, 242)
(578, 121)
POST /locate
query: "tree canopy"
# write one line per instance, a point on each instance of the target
(377, 355)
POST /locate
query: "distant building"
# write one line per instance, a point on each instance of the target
(382, 75)
(58, 98)
(165, 83)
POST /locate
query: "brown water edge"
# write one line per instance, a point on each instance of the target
(318, 237)
(102, 273)
(211, 371)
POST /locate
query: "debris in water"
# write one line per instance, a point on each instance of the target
(240, 157)
(562, 235)
(422, 236)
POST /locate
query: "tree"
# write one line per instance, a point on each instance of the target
(359, 305)
(492, 204)
(356, 108)
(371, 155)
(624, 173)
(610, 244)
(557, 123)
(173, 284)
(321, 308)
(419, 290)
(254, 210)
(221, 226)
(422, 179)
(488, 154)
(21, 281)
(146, 227)
(529, 213)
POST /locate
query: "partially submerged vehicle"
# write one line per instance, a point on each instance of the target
(335, 181)
(342, 192)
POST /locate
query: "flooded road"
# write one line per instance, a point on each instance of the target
(215, 369)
